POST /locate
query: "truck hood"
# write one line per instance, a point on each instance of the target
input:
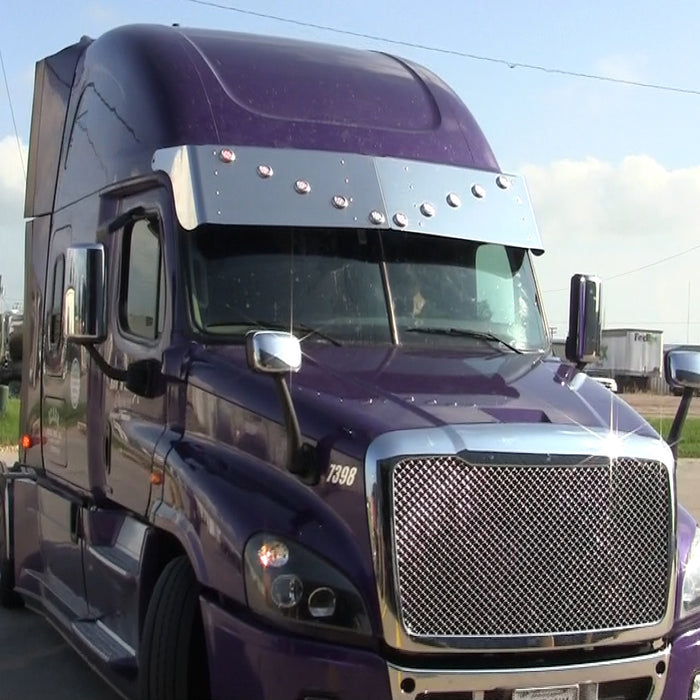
(376, 390)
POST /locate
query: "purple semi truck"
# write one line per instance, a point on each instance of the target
(291, 424)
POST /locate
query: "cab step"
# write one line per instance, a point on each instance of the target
(106, 645)
(117, 560)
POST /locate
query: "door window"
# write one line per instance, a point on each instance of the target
(144, 281)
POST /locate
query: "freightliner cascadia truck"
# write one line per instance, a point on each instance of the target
(291, 426)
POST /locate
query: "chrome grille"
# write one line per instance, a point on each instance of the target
(527, 549)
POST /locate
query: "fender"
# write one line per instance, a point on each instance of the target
(215, 497)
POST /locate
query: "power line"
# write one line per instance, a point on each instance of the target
(652, 264)
(12, 112)
(633, 270)
(450, 52)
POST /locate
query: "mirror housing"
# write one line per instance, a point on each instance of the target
(145, 378)
(585, 320)
(682, 369)
(84, 299)
(273, 352)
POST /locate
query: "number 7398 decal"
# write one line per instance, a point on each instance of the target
(340, 474)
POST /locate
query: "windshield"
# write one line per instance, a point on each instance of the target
(363, 286)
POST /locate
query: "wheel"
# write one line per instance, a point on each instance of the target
(9, 598)
(172, 656)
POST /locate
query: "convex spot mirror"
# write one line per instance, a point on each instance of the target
(682, 369)
(273, 352)
(84, 299)
(583, 341)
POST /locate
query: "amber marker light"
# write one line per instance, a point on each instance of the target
(26, 441)
(157, 478)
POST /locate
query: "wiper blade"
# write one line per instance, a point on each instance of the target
(464, 333)
(299, 327)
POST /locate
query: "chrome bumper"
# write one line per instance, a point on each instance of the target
(410, 683)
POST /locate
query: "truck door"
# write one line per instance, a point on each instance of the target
(138, 330)
(63, 414)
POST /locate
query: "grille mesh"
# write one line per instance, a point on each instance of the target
(530, 549)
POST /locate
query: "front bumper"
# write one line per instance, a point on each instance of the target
(597, 680)
(247, 661)
(256, 664)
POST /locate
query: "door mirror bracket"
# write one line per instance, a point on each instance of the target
(143, 377)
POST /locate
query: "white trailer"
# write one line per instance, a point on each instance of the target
(632, 356)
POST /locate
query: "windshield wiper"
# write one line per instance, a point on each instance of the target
(464, 333)
(299, 327)
(279, 327)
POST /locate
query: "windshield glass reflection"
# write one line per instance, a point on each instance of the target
(363, 286)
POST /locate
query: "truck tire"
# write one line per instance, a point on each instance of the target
(172, 655)
(9, 598)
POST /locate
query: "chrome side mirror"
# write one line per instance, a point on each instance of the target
(84, 299)
(273, 352)
(585, 325)
(276, 353)
(682, 369)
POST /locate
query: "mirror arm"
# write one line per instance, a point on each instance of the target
(111, 372)
(674, 433)
(301, 456)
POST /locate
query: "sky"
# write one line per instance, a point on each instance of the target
(613, 168)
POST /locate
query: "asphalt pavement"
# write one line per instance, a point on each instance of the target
(36, 664)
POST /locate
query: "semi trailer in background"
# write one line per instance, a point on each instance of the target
(631, 357)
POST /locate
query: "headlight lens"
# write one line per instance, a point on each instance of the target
(691, 578)
(286, 581)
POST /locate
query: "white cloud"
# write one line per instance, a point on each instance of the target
(12, 217)
(613, 218)
(11, 167)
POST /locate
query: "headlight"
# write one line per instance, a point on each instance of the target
(691, 578)
(286, 581)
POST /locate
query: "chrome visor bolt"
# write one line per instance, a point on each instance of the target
(503, 181)
(478, 191)
(453, 200)
(265, 171)
(376, 217)
(302, 187)
(340, 202)
(400, 219)
(226, 155)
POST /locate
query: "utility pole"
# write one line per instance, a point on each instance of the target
(687, 320)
